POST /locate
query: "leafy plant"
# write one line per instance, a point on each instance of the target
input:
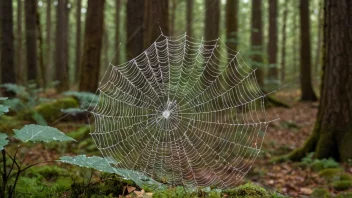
(319, 164)
(29, 133)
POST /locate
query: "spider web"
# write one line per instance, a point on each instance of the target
(184, 112)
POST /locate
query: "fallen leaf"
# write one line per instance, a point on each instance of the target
(306, 191)
(130, 189)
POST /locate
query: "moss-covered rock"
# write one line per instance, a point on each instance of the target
(335, 174)
(320, 193)
(248, 191)
(342, 185)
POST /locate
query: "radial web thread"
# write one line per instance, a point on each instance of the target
(185, 112)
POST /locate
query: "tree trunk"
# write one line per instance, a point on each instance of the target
(49, 66)
(283, 45)
(116, 60)
(7, 46)
(20, 69)
(272, 45)
(42, 70)
(173, 17)
(156, 17)
(232, 24)
(135, 18)
(257, 40)
(78, 40)
(305, 70)
(93, 38)
(211, 32)
(332, 135)
(31, 39)
(189, 17)
(61, 58)
(317, 62)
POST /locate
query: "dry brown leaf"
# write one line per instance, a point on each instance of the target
(130, 189)
(306, 191)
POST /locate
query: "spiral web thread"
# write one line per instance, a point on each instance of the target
(184, 112)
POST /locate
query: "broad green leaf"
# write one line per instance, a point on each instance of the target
(3, 109)
(3, 140)
(3, 98)
(36, 133)
(102, 164)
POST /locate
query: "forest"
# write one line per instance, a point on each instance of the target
(176, 98)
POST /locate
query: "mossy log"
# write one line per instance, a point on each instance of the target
(51, 111)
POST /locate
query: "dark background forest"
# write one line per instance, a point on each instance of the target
(302, 50)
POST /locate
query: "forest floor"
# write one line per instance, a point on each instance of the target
(294, 179)
(307, 178)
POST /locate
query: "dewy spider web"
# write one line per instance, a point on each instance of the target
(184, 112)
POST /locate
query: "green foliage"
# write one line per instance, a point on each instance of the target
(335, 174)
(85, 98)
(319, 164)
(103, 164)
(3, 140)
(35, 133)
(3, 109)
(344, 195)
(342, 185)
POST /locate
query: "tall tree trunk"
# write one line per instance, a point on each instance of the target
(272, 46)
(156, 13)
(49, 67)
(189, 17)
(61, 58)
(117, 32)
(173, 16)
(332, 135)
(42, 69)
(135, 18)
(78, 40)
(232, 24)
(20, 69)
(211, 32)
(317, 61)
(305, 69)
(257, 40)
(7, 46)
(31, 39)
(93, 37)
(283, 45)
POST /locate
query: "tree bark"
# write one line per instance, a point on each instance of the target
(49, 66)
(332, 135)
(20, 69)
(257, 40)
(189, 17)
(211, 32)
(7, 46)
(116, 60)
(283, 45)
(78, 40)
(31, 39)
(135, 18)
(232, 24)
(305, 69)
(173, 16)
(272, 45)
(42, 69)
(156, 17)
(61, 58)
(317, 62)
(93, 37)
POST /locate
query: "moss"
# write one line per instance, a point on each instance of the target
(247, 190)
(344, 195)
(320, 193)
(51, 111)
(342, 185)
(335, 174)
(8, 123)
(308, 147)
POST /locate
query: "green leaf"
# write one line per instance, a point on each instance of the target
(103, 164)
(3, 98)
(36, 133)
(3, 109)
(3, 140)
